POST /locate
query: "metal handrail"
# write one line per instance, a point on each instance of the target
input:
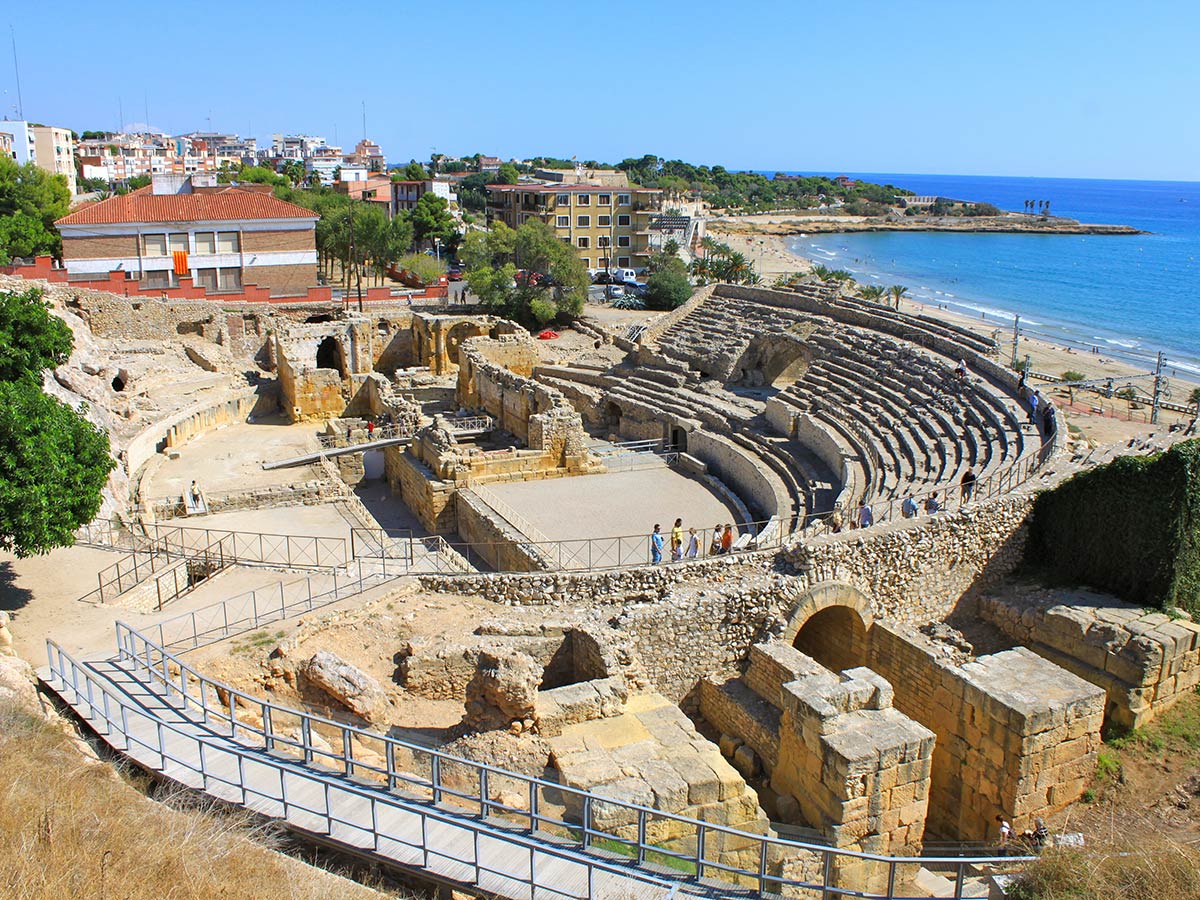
(262, 606)
(514, 518)
(115, 712)
(161, 666)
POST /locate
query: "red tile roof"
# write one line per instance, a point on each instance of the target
(228, 204)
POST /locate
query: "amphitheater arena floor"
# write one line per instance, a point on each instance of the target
(615, 503)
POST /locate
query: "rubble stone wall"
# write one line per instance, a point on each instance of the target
(493, 537)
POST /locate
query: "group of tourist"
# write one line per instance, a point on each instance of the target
(1039, 407)
(687, 546)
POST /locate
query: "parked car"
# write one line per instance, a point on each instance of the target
(634, 287)
(454, 273)
(622, 275)
(547, 281)
(613, 291)
(602, 278)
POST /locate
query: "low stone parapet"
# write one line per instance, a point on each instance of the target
(1144, 660)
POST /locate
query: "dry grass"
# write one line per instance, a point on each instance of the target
(1164, 870)
(70, 830)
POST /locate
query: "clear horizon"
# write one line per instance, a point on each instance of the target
(1067, 90)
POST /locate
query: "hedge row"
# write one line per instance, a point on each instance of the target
(1131, 528)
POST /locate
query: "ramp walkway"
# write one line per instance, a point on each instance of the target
(464, 824)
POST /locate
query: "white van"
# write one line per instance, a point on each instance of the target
(620, 276)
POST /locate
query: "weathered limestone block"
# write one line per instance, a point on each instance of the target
(504, 690)
(347, 684)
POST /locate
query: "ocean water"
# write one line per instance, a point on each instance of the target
(1129, 295)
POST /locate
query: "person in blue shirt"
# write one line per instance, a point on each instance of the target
(908, 508)
(656, 546)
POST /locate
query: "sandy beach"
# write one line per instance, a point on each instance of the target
(772, 259)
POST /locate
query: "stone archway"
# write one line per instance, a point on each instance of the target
(330, 355)
(612, 418)
(830, 623)
(458, 333)
(773, 360)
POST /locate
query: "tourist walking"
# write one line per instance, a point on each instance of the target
(727, 540)
(1034, 399)
(932, 504)
(961, 369)
(693, 547)
(908, 508)
(1050, 420)
(967, 485)
(656, 545)
(677, 541)
(1005, 831)
(714, 548)
(866, 518)
(370, 428)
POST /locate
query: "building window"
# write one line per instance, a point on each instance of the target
(583, 199)
(583, 221)
(565, 240)
(563, 221)
(229, 242)
(622, 240)
(205, 278)
(229, 279)
(562, 199)
(622, 221)
(160, 279)
(622, 199)
(602, 262)
(603, 242)
(604, 199)
(587, 263)
(583, 243)
(155, 244)
(623, 262)
(206, 242)
(177, 243)
(604, 221)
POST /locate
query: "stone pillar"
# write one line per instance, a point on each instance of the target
(857, 768)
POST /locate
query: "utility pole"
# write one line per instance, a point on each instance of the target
(1016, 338)
(1158, 388)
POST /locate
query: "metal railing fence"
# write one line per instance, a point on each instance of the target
(421, 836)
(560, 812)
(379, 433)
(266, 605)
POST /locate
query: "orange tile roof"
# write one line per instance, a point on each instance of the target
(229, 204)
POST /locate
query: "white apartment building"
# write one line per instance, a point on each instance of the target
(24, 147)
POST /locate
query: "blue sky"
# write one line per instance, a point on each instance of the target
(1053, 88)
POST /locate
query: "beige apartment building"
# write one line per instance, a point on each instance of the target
(55, 152)
(609, 227)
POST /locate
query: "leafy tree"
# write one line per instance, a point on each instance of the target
(138, 182)
(897, 291)
(666, 262)
(671, 247)
(431, 219)
(32, 339)
(1194, 398)
(508, 174)
(472, 191)
(423, 266)
(492, 261)
(37, 199)
(667, 289)
(1072, 375)
(872, 292)
(414, 171)
(53, 465)
(88, 185)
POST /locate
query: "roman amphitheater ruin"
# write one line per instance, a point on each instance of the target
(411, 547)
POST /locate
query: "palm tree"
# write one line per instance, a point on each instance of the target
(897, 291)
(1194, 399)
(872, 292)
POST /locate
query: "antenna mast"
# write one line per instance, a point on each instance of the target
(17, 70)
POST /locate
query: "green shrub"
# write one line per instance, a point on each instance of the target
(1072, 375)
(1131, 527)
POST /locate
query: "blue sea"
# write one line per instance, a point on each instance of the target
(1129, 295)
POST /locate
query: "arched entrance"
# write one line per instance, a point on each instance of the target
(330, 355)
(678, 439)
(457, 334)
(612, 418)
(773, 360)
(830, 624)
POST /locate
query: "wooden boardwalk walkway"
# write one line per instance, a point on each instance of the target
(457, 848)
